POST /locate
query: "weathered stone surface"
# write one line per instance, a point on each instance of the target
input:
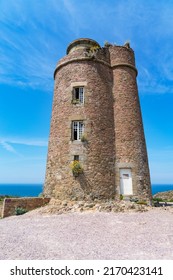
(164, 195)
(1, 207)
(112, 122)
(59, 207)
(27, 203)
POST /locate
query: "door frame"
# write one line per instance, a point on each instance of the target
(121, 188)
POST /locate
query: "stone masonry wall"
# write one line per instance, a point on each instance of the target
(130, 140)
(98, 154)
(28, 203)
(112, 124)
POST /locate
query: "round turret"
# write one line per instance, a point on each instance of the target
(97, 145)
(82, 43)
(132, 171)
(82, 126)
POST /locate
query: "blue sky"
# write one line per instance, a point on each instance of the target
(34, 36)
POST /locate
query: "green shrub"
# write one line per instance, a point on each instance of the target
(121, 197)
(134, 199)
(142, 202)
(84, 138)
(20, 210)
(157, 199)
(76, 168)
(75, 101)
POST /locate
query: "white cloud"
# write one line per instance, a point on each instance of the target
(34, 37)
(8, 147)
(28, 44)
(23, 141)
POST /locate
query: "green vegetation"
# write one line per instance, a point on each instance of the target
(20, 210)
(84, 138)
(121, 197)
(94, 48)
(134, 199)
(76, 168)
(158, 199)
(142, 202)
(75, 101)
(2, 197)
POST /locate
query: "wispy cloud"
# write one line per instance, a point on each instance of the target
(28, 45)
(8, 147)
(30, 66)
(34, 37)
(149, 83)
(22, 141)
(8, 144)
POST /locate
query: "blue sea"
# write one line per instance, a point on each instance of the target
(21, 190)
(31, 190)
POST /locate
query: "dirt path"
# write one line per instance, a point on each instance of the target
(147, 235)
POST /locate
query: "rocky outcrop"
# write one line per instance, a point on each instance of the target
(61, 207)
(164, 195)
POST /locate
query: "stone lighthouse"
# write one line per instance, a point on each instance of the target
(97, 145)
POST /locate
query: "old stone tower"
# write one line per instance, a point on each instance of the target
(96, 127)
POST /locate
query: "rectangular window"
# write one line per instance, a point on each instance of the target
(77, 130)
(78, 95)
(76, 157)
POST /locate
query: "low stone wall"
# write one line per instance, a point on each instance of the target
(1, 205)
(27, 203)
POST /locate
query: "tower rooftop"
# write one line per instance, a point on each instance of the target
(81, 43)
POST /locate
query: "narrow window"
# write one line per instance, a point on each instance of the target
(78, 95)
(77, 130)
(76, 157)
(81, 94)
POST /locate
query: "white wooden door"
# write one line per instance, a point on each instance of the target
(126, 182)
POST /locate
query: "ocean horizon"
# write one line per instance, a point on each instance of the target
(33, 190)
(21, 190)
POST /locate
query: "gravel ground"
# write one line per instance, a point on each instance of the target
(88, 235)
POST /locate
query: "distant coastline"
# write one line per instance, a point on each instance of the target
(161, 188)
(31, 190)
